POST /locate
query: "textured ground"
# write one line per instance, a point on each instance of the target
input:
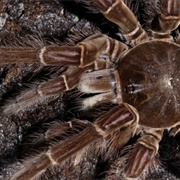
(35, 23)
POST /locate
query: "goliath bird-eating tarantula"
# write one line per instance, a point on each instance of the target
(141, 77)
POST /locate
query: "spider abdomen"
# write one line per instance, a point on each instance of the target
(149, 75)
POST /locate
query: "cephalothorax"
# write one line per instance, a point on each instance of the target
(142, 78)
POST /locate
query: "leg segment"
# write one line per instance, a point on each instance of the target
(82, 55)
(114, 119)
(105, 83)
(96, 81)
(117, 12)
(65, 82)
(53, 87)
(169, 19)
(85, 53)
(61, 129)
(145, 149)
(114, 142)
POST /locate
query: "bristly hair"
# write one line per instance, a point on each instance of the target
(80, 31)
(148, 11)
(117, 164)
(89, 5)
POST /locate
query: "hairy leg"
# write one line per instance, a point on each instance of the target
(168, 20)
(112, 120)
(82, 55)
(116, 11)
(144, 151)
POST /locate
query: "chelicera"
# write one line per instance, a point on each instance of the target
(141, 77)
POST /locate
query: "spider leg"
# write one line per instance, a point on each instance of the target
(82, 55)
(62, 128)
(50, 88)
(112, 120)
(168, 20)
(116, 11)
(113, 143)
(145, 149)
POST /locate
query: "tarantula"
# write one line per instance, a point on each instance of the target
(141, 77)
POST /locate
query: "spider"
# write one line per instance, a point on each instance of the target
(140, 76)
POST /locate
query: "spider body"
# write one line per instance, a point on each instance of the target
(140, 77)
(152, 86)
